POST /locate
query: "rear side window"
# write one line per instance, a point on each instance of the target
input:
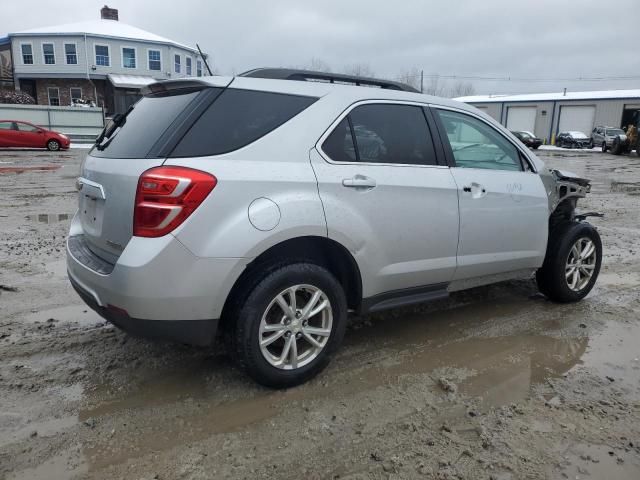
(145, 124)
(238, 118)
(339, 145)
(383, 133)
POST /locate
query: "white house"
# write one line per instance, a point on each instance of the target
(104, 61)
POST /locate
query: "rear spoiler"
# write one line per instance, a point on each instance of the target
(171, 85)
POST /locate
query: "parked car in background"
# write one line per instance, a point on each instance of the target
(529, 139)
(274, 207)
(603, 137)
(572, 140)
(15, 133)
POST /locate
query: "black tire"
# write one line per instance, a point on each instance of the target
(535, 147)
(591, 144)
(616, 146)
(245, 330)
(604, 147)
(551, 277)
(53, 145)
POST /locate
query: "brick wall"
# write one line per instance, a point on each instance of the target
(64, 86)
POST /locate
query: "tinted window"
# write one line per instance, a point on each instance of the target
(477, 145)
(6, 125)
(238, 118)
(339, 145)
(392, 134)
(144, 125)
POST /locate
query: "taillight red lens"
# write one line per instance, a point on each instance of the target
(166, 196)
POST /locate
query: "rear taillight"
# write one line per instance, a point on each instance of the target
(166, 196)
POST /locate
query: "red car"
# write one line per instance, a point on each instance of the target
(15, 133)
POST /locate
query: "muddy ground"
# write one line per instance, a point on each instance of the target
(493, 383)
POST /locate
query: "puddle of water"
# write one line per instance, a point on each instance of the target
(49, 217)
(80, 314)
(44, 168)
(595, 461)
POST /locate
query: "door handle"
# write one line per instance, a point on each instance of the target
(475, 189)
(359, 181)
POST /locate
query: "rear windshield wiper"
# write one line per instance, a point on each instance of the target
(117, 121)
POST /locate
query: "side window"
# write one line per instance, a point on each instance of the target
(236, 119)
(339, 145)
(477, 145)
(383, 133)
(23, 127)
(6, 125)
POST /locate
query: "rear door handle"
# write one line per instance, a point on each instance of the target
(359, 181)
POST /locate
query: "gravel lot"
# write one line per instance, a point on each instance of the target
(493, 383)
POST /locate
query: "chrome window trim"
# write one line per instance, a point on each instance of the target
(488, 124)
(347, 111)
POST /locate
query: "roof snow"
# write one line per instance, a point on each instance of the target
(542, 97)
(101, 28)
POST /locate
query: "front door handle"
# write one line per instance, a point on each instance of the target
(475, 189)
(359, 181)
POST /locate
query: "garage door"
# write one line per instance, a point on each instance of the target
(577, 119)
(521, 119)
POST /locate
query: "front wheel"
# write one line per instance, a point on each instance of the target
(290, 324)
(572, 262)
(604, 147)
(53, 145)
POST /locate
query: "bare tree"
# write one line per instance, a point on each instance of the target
(359, 70)
(435, 86)
(319, 65)
(411, 77)
(462, 89)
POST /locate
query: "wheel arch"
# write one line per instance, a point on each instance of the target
(319, 250)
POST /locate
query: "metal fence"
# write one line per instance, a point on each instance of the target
(79, 123)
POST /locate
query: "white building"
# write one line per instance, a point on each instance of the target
(104, 61)
(547, 114)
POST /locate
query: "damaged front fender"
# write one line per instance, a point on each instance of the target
(563, 186)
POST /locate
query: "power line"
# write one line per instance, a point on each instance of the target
(519, 79)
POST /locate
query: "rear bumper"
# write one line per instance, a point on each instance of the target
(194, 332)
(157, 287)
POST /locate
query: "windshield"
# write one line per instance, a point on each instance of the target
(577, 135)
(614, 131)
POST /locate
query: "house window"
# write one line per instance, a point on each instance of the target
(76, 94)
(199, 68)
(176, 63)
(27, 54)
(70, 53)
(49, 54)
(128, 57)
(154, 60)
(187, 63)
(102, 55)
(54, 96)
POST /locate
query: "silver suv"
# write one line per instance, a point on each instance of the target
(272, 208)
(603, 137)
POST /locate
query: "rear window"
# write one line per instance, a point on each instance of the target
(238, 118)
(145, 124)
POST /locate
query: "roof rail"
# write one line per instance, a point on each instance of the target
(311, 76)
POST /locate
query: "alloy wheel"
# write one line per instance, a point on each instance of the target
(581, 263)
(295, 327)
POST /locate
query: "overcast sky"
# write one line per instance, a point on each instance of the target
(542, 39)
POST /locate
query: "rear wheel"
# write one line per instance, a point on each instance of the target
(53, 145)
(290, 324)
(572, 263)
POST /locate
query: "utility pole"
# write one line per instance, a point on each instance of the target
(421, 81)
